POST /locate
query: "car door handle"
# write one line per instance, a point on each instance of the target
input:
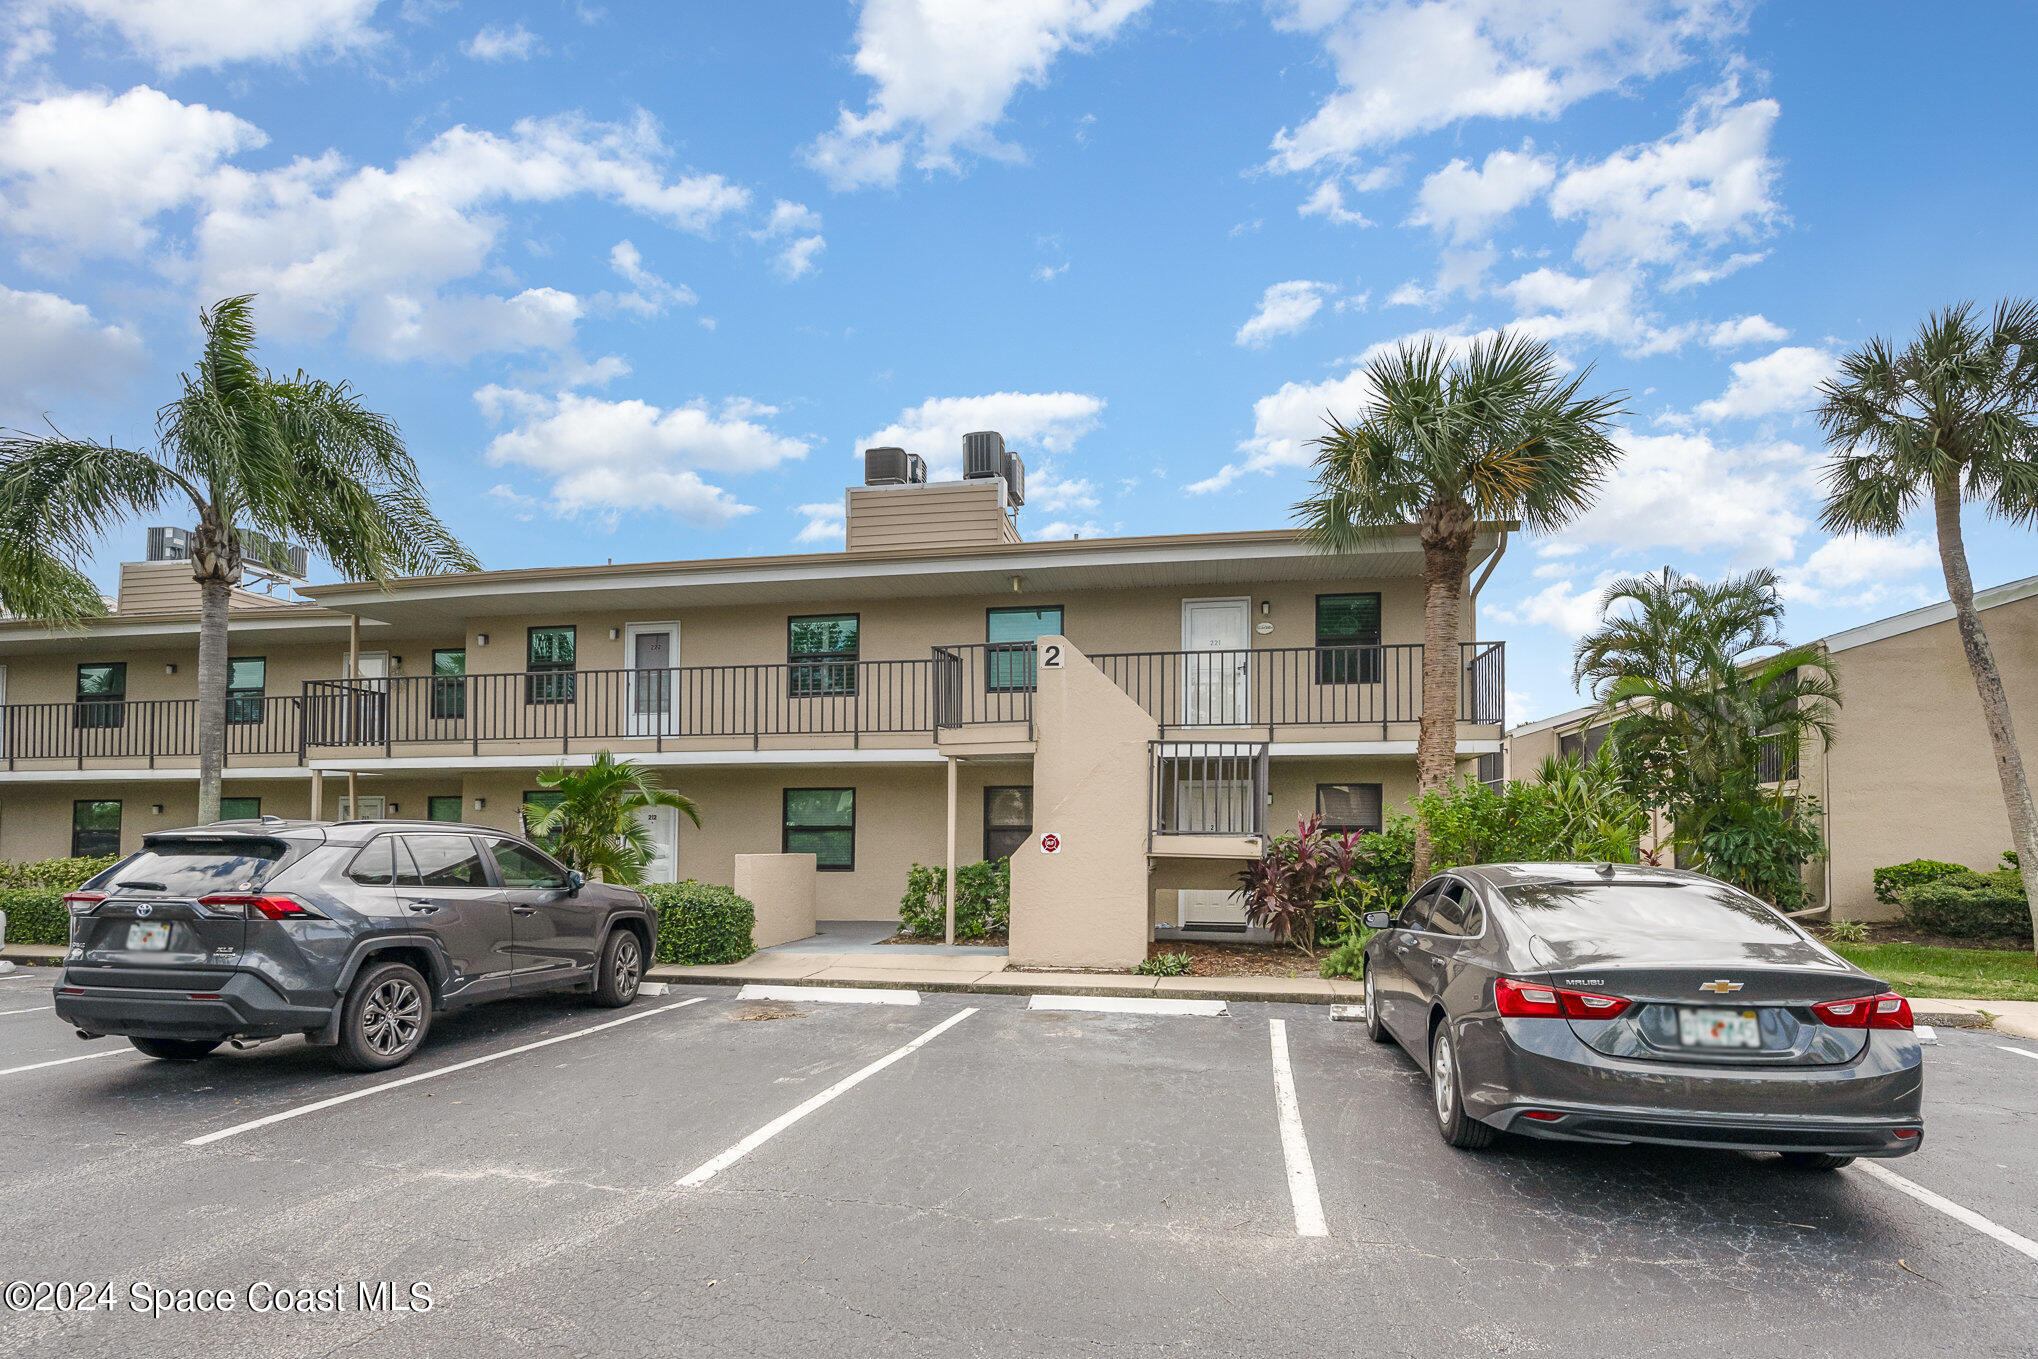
(523, 910)
(423, 907)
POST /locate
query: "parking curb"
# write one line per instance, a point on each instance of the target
(1058, 985)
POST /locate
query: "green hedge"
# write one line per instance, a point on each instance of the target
(1892, 882)
(700, 923)
(36, 915)
(62, 874)
(1968, 905)
(983, 901)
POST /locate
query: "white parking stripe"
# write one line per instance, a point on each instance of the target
(2023, 1245)
(1294, 1145)
(831, 995)
(31, 1010)
(301, 1110)
(709, 1169)
(64, 1061)
(1129, 1005)
(2021, 1052)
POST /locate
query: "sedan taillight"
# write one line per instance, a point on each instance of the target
(1886, 1011)
(1533, 1000)
(269, 907)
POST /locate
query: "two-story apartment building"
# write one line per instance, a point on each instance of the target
(939, 691)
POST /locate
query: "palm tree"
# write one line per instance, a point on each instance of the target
(1952, 417)
(1449, 446)
(286, 458)
(593, 826)
(1699, 710)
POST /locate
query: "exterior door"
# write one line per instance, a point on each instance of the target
(1217, 635)
(372, 809)
(663, 823)
(366, 716)
(651, 650)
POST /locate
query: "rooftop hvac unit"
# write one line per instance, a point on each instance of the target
(268, 556)
(886, 466)
(169, 544)
(983, 455)
(1015, 478)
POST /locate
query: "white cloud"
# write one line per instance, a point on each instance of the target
(52, 348)
(1328, 201)
(1049, 491)
(1570, 609)
(1048, 273)
(1756, 329)
(1411, 66)
(826, 523)
(1054, 421)
(1555, 306)
(520, 507)
(799, 227)
(87, 174)
(1857, 571)
(496, 43)
(1685, 492)
(1284, 309)
(649, 294)
(1062, 529)
(945, 71)
(615, 456)
(177, 34)
(1784, 380)
(1709, 182)
(1467, 203)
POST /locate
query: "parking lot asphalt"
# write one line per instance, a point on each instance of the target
(1023, 1181)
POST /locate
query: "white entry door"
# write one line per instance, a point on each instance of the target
(371, 809)
(1217, 634)
(663, 823)
(366, 715)
(651, 651)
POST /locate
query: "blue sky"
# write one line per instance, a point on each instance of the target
(640, 282)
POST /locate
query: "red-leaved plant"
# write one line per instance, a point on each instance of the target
(1286, 888)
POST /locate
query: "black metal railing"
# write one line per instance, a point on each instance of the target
(557, 706)
(1268, 687)
(984, 682)
(1208, 788)
(141, 729)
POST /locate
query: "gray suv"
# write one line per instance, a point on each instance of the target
(351, 933)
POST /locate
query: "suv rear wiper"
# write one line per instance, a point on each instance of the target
(143, 886)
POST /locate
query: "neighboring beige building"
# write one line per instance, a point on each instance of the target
(1910, 774)
(1175, 698)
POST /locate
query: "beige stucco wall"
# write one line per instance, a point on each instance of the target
(1526, 752)
(1912, 774)
(1085, 906)
(783, 889)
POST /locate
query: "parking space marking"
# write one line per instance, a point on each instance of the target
(831, 995)
(2021, 1052)
(301, 1110)
(2023, 1245)
(63, 1061)
(31, 1010)
(1130, 1005)
(707, 1170)
(1294, 1144)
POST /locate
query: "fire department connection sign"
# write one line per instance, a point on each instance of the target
(1050, 843)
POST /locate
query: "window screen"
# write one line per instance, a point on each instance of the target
(1008, 820)
(446, 808)
(102, 695)
(1349, 808)
(449, 684)
(549, 656)
(822, 822)
(1348, 639)
(95, 829)
(240, 808)
(1011, 636)
(246, 678)
(820, 653)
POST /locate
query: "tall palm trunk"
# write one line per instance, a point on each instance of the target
(216, 566)
(1995, 704)
(1446, 534)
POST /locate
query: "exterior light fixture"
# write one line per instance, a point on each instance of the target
(481, 804)
(1266, 607)
(170, 668)
(615, 633)
(481, 639)
(156, 808)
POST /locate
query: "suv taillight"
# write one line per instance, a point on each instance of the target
(1533, 1000)
(83, 903)
(269, 907)
(1886, 1011)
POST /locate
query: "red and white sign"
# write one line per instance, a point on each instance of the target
(1050, 843)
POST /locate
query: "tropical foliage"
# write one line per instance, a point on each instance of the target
(256, 458)
(1711, 709)
(1949, 419)
(983, 901)
(1450, 446)
(594, 826)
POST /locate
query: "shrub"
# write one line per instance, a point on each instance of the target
(62, 874)
(1968, 905)
(1348, 959)
(701, 923)
(983, 900)
(36, 915)
(1891, 882)
(1166, 965)
(1847, 932)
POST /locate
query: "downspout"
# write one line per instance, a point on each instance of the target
(948, 932)
(1499, 551)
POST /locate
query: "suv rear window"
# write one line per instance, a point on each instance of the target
(195, 868)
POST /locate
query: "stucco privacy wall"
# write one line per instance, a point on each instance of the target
(782, 889)
(1086, 904)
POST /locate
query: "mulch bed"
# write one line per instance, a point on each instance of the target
(1239, 960)
(1902, 932)
(998, 940)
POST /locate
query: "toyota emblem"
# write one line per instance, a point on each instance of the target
(144, 909)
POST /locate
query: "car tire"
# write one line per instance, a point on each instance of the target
(620, 972)
(1447, 1095)
(1375, 1030)
(175, 1049)
(1814, 1161)
(384, 1020)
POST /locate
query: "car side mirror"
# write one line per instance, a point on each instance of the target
(575, 879)
(1377, 920)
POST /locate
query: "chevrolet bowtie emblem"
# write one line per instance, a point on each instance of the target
(1719, 988)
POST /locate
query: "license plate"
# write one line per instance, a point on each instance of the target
(148, 936)
(1718, 1029)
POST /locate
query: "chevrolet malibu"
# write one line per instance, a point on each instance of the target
(1616, 1003)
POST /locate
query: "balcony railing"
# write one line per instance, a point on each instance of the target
(977, 683)
(141, 729)
(1321, 686)
(1208, 788)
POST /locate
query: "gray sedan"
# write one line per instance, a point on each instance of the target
(1611, 1003)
